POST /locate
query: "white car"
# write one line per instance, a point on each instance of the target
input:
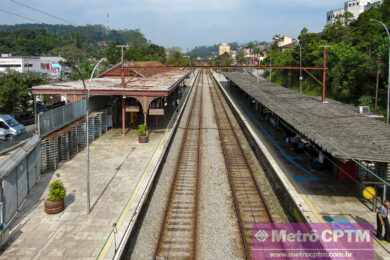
(10, 126)
(3, 134)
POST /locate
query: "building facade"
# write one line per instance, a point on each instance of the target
(333, 15)
(224, 48)
(283, 41)
(49, 66)
(355, 7)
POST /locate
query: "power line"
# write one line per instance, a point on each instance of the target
(41, 11)
(20, 16)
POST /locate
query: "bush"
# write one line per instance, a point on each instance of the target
(141, 130)
(56, 191)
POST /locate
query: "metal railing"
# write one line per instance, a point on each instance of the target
(18, 174)
(13, 141)
(55, 119)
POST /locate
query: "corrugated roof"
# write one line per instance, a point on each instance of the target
(158, 82)
(143, 69)
(336, 127)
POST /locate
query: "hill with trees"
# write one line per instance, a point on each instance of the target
(76, 43)
(81, 46)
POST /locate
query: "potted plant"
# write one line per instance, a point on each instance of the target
(142, 136)
(55, 202)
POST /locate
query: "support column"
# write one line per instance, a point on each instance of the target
(145, 103)
(123, 116)
(146, 121)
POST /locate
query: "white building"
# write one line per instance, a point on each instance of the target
(224, 48)
(283, 41)
(50, 66)
(333, 15)
(234, 53)
(355, 7)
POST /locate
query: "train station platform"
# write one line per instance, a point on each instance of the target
(320, 196)
(121, 172)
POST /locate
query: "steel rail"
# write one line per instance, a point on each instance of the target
(282, 67)
(249, 203)
(178, 235)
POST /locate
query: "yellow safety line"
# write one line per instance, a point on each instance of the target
(119, 223)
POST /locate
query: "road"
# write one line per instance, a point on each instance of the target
(14, 141)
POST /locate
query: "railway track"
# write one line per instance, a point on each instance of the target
(249, 203)
(178, 233)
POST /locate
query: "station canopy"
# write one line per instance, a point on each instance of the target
(140, 79)
(337, 128)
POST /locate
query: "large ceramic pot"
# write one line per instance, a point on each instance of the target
(142, 139)
(54, 207)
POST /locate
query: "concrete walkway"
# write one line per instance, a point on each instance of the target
(118, 165)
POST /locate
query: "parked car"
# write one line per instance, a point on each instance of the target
(10, 126)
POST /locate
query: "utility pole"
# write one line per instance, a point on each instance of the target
(270, 65)
(122, 47)
(324, 75)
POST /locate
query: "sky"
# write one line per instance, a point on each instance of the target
(184, 23)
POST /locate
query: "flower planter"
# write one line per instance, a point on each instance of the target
(54, 207)
(143, 139)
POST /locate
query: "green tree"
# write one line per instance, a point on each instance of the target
(386, 10)
(176, 58)
(113, 54)
(241, 57)
(224, 60)
(354, 50)
(15, 91)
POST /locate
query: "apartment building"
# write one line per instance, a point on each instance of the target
(355, 7)
(50, 66)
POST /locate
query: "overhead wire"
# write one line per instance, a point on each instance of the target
(41, 11)
(19, 15)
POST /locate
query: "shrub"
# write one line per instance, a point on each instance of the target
(141, 130)
(56, 191)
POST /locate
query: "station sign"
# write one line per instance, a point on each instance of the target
(132, 109)
(156, 112)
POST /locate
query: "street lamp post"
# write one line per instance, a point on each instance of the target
(87, 130)
(96, 66)
(87, 135)
(388, 83)
(270, 66)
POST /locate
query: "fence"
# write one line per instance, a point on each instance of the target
(65, 144)
(18, 174)
(57, 118)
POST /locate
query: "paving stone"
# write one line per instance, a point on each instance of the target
(73, 234)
